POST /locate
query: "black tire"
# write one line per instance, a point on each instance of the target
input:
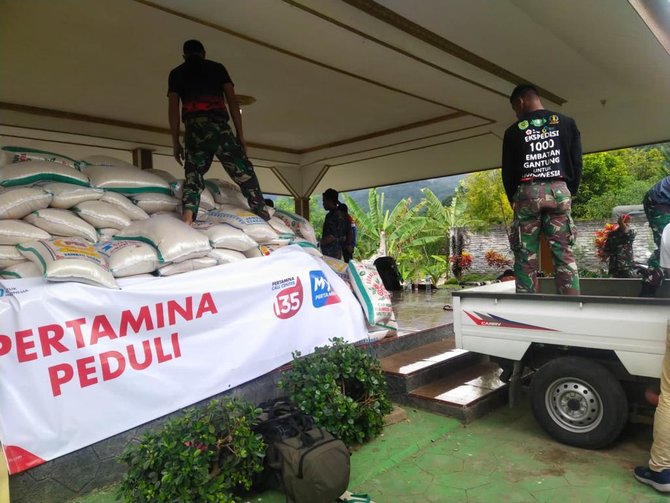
(579, 402)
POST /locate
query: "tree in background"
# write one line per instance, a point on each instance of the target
(618, 177)
(482, 195)
(401, 225)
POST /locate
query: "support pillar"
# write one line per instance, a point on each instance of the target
(143, 158)
(302, 206)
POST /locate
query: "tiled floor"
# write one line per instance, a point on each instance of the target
(416, 311)
(502, 457)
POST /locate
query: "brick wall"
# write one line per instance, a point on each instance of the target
(496, 239)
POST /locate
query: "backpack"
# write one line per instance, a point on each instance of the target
(304, 461)
(389, 273)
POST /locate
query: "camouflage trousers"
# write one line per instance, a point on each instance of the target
(205, 138)
(618, 249)
(544, 207)
(658, 216)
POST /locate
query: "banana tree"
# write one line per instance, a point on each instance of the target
(402, 225)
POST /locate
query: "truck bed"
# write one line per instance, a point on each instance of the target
(495, 320)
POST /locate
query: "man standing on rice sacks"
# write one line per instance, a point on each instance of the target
(201, 85)
(335, 225)
(541, 171)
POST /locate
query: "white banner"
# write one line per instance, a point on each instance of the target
(79, 363)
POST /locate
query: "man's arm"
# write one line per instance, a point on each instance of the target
(509, 178)
(173, 116)
(234, 110)
(329, 231)
(576, 159)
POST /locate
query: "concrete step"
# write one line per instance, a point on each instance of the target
(416, 367)
(465, 394)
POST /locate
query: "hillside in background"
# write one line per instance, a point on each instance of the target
(441, 187)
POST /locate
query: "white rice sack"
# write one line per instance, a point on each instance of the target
(10, 155)
(174, 240)
(187, 266)
(310, 248)
(154, 202)
(25, 269)
(171, 214)
(105, 160)
(281, 228)
(134, 212)
(279, 242)
(226, 193)
(66, 195)
(206, 198)
(13, 232)
(64, 223)
(128, 258)
(125, 179)
(382, 330)
(339, 267)
(29, 172)
(9, 256)
(106, 233)
(225, 236)
(299, 225)
(391, 325)
(224, 256)
(260, 251)
(16, 203)
(252, 225)
(102, 215)
(168, 177)
(370, 292)
(69, 259)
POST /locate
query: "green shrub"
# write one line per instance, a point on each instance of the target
(475, 278)
(206, 455)
(343, 388)
(586, 273)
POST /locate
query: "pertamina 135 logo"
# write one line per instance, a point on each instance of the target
(322, 294)
(288, 300)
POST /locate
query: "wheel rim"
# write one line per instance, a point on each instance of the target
(574, 405)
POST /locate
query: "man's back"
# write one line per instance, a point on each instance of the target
(335, 224)
(199, 83)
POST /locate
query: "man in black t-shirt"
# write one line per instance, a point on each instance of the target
(200, 85)
(541, 170)
(334, 232)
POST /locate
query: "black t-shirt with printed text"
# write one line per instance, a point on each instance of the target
(199, 84)
(542, 146)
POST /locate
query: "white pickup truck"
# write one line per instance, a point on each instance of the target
(593, 354)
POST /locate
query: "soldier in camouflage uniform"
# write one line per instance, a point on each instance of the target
(543, 207)
(619, 249)
(541, 170)
(200, 85)
(656, 205)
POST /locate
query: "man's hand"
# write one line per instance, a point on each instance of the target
(178, 153)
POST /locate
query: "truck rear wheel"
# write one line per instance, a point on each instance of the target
(579, 402)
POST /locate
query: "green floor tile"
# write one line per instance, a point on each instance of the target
(502, 457)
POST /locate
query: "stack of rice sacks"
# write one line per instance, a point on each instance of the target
(101, 218)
